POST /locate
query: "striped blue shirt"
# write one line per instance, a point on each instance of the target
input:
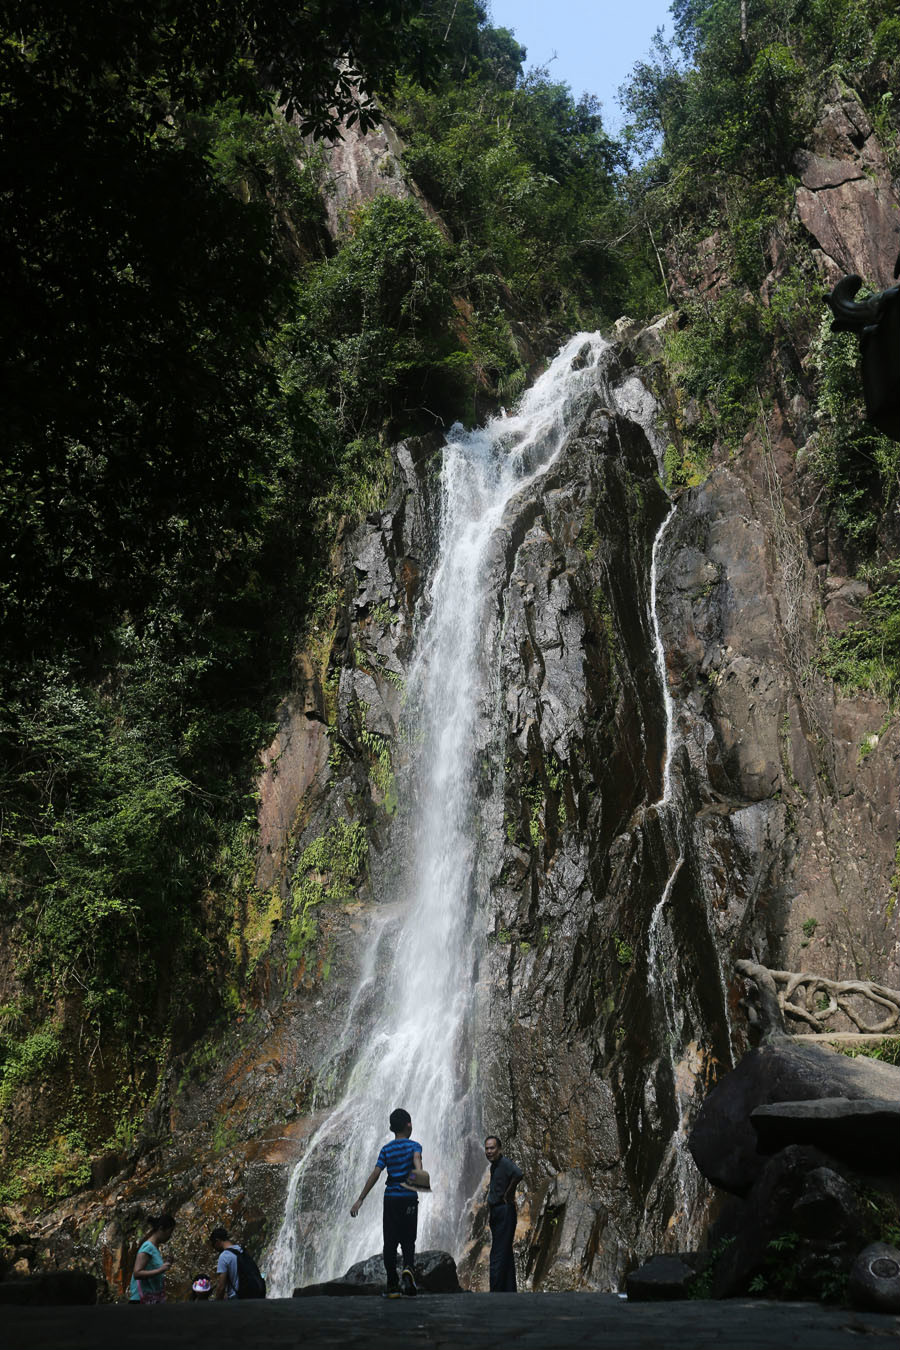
(397, 1158)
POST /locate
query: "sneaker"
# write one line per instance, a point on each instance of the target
(408, 1283)
(391, 1291)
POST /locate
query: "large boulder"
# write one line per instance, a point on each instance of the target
(723, 1141)
(435, 1274)
(662, 1277)
(800, 1225)
(864, 1132)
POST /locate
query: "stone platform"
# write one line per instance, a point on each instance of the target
(450, 1322)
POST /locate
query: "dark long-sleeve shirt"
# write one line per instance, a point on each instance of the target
(503, 1172)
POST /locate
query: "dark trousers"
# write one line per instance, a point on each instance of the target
(503, 1266)
(401, 1219)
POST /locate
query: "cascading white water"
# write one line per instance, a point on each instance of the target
(662, 956)
(668, 702)
(419, 1051)
(661, 953)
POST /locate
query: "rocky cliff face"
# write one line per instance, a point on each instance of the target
(607, 979)
(621, 895)
(846, 198)
(763, 575)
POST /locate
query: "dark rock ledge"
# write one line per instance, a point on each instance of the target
(435, 1274)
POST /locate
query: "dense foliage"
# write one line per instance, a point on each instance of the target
(524, 178)
(717, 118)
(157, 471)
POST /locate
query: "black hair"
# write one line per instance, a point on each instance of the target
(495, 1137)
(399, 1120)
(161, 1221)
(219, 1235)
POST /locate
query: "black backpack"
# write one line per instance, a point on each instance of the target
(250, 1283)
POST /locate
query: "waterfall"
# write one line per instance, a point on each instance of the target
(662, 961)
(661, 948)
(420, 1051)
(668, 702)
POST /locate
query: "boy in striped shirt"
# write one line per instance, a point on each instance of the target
(402, 1157)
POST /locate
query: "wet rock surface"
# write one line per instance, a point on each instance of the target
(581, 861)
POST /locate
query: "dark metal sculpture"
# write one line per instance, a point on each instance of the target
(877, 323)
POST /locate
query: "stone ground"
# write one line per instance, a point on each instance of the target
(448, 1322)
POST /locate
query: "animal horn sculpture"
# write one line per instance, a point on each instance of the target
(876, 322)
(852, 316)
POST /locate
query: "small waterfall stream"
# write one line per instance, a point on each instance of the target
(420, 1051)
(661, 950)
(662, 959)
(668, 702)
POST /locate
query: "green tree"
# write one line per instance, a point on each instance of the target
(155, 208)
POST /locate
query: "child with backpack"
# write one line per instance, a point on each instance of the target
(237, 1272)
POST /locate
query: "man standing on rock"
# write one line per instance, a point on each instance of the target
(402, 1157)
(505, 1177)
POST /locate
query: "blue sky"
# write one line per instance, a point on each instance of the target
(596, 42)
